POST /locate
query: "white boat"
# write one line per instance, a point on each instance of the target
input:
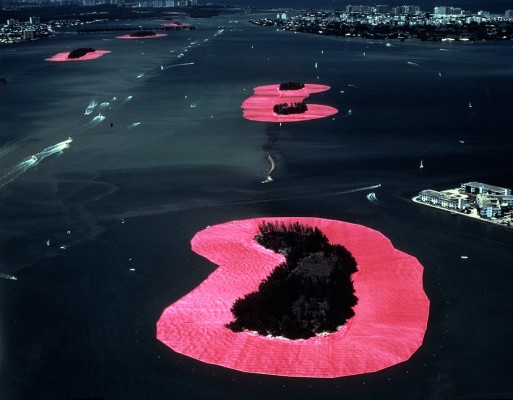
(421, 164)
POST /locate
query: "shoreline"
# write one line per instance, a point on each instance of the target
(416, 199)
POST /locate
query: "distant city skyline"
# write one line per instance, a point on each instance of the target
(425, 5)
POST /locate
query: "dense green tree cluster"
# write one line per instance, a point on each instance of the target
(292, 108)
(292, 86)
(310, 293)
(142, 33)
(77, 53)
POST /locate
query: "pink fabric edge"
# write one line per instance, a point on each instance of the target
(389, 325)
(259, 107)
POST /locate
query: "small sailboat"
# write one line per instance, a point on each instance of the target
(421, 164)
(469, 105)
(316, 66)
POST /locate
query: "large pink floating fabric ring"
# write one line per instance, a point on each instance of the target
(259, 107)
(388, 327)
(60, 57)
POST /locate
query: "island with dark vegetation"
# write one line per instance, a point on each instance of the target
(292, 86)
(142, 34)
(78, 53)
(292, 108)
(311, 293)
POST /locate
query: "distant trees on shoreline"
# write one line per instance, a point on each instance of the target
(292, 86)
(310, 293)
(292, 108)
(81, 52)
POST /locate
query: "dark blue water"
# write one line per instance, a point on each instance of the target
(78, 323)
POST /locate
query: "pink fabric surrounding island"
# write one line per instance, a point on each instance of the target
(259, 107)
(157, 35)
(88, 56)
(388, 327)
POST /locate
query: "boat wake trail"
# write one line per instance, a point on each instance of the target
(11, 173)
(5, 276)
(96, 120)
(132, 126)
(10, 146)
(372, 197)
(103, 105)
(272, 167)
(90, 108)
(413, 63)
(360, 189)
(181, 65)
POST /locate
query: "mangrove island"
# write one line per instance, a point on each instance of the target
(81, 52)
(292, 108)
(311, 293)
(142, 34)
(291, 86)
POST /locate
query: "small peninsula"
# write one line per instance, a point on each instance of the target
(311, 293)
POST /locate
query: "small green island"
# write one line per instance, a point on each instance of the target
(292, 108)
(142, 34)
(81, 52)
(291, 86)
(310, 294)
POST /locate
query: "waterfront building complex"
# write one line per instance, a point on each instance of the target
(475, 199)
(443, 199)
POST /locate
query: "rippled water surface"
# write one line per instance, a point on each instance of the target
(97, 230)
